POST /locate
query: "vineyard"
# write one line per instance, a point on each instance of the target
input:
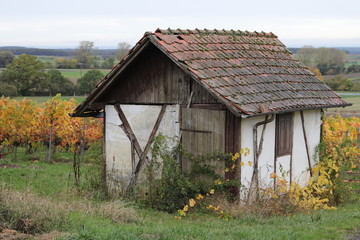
(32, 126)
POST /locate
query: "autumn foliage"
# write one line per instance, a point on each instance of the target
(28, 124)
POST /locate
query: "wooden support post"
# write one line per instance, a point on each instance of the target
(127, 129)
(306, 142)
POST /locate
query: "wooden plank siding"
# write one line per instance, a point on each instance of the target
(154, 79)
(203, 131)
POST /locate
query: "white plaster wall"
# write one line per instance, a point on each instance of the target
(300, 166)
(142, 119)
(266, 158)
(117, 151)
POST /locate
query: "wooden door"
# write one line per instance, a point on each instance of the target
(202, 132)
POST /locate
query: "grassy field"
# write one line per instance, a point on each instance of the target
(74, 74)
(348, 111)
(352, 59)
(48, 192)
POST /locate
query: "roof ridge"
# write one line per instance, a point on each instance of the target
(205, 31)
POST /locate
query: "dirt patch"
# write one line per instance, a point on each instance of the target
(7, 165)
(354, 235)
(9, 234)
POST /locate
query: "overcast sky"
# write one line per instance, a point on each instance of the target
(64, 23)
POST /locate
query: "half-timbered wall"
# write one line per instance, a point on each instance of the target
(122, 156)
(295, 166)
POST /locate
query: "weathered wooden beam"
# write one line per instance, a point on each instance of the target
(190, 99)
(262, 138)
(128, 130)
(306, 141)
(194, 130)
(208, 106)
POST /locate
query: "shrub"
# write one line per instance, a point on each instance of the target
(339, 83)
(168, 186)
(8, 90)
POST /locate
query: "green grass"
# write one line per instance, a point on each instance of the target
(55, 181)
(47, 59)
(31, 172)
(163, 226)
(74, 74)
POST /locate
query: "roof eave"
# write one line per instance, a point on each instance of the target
(296, 109)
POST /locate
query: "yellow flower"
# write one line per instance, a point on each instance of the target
(181, 212)
(233, 167)
(236, 156)
(242, 164)
(186, 208)
(199, 197)
(212, 191)
(216, 208)
(210, 206)
(247, 151)
(192, 202)
(226, 169)
(218, 182)
(250, 163)
(273, 175)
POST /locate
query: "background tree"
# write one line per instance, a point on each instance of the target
(306, 55)
(123, 49)
(27, 74)
(87, 83)
(6, 57)
(59, 84)
(108, 63)
(328, 61)
(66, 63)
(84, 53)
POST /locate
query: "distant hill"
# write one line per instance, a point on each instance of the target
(68, 52)
(348, 50)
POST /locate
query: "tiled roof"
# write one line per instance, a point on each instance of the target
(253, 72)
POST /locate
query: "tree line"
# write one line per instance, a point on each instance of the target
(26, 75)
(329, 61)
(86, 55)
